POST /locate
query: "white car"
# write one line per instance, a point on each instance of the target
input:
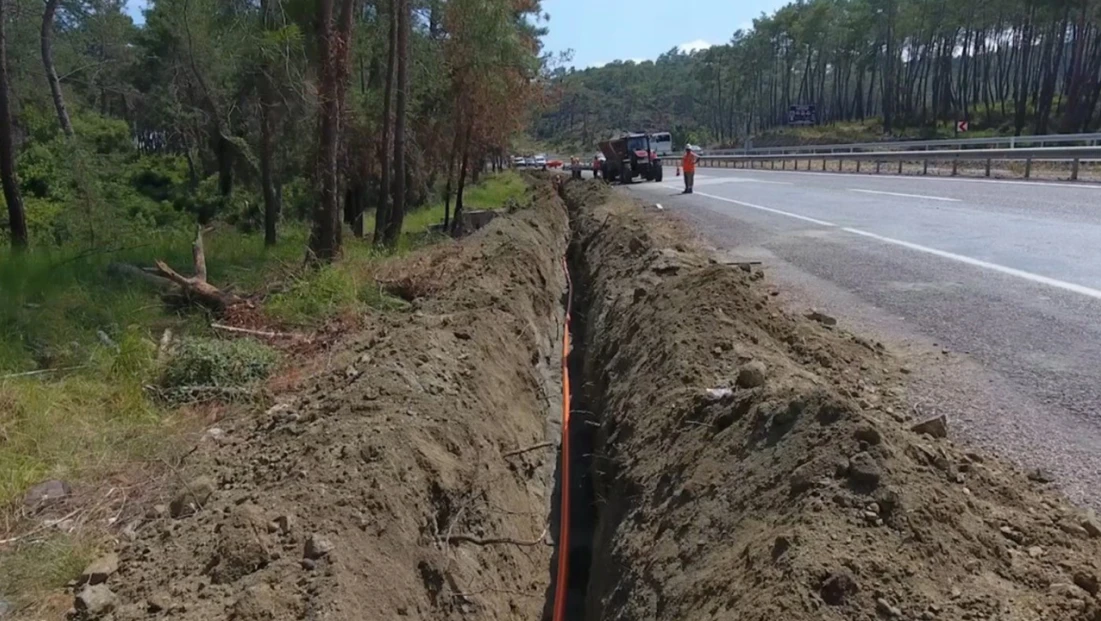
(518, 162)
(541, 161)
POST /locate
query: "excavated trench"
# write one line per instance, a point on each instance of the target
(584, 425)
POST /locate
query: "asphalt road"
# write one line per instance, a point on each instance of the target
(992, 289)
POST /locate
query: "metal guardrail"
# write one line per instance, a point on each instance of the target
(1074, 155)
(996, 142)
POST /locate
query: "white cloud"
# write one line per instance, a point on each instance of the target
(693, 46)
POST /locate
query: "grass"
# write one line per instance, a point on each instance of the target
(34, 572)
(89, 415)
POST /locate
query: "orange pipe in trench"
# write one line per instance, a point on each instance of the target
(562, 579)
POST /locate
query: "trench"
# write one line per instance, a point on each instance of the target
(585, 424)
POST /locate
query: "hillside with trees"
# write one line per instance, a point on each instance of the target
(906, 66)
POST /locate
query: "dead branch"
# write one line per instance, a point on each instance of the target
(527, 449)
(491, 541)
(196, 287)
(39, 372)
(263, 333)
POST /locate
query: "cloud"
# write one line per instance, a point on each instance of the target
(693, 46)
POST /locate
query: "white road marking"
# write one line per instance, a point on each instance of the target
(1043, 280)
(1009, 271)
(922, 196)
(768, 209)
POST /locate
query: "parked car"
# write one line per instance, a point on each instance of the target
(554, 164)
(541, 161)
(518, 162)
(529, 162)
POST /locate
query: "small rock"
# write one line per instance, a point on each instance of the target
(309, 564)
(956, 592)
(317, 547)
(157, 511)
(1066, 590)
(936, 427)
(884, 608)
(1040, 476)
(1086, 581)
(864, 470)
(869, 434)
(751, 375)
(871, 517)
(46, 493)
(837, 587)
(284, 523)
(95, 600)
(1074, 529)
(159, 602)
(1035, 551)
(1091, 525)
(905, 370)
(822, 318)
(215, 433)
(100, 569)
(1012, 534)
(800, 481)
(192, 497)
(718, 394)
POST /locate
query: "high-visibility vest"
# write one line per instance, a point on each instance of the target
(689, 163)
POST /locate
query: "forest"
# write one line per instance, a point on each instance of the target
(910, 67)
(253, 112)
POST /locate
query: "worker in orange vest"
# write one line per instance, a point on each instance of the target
(689, 166)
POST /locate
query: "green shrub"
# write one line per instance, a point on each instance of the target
(217, 362)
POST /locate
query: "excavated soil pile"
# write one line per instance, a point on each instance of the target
(752, 465)
(390, 489)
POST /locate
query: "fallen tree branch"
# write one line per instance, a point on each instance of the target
(263, 333)
(490, 541)
(40, 372)
(527, 449)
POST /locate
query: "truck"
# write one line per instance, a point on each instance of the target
(630, 156)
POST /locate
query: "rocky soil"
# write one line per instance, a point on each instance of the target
(754, 465)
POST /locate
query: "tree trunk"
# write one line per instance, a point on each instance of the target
(382, 211)
(48, 63)
(324, 236)
(457, 223)
(267, 147)
(450, 173)
(16, 217)
(397, 216)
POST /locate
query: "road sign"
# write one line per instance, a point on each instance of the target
(961, 126)
(802, 114)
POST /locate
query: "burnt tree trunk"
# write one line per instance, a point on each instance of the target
(335, 43)
(397, 215)
(267, 146)
(382, 211)
(48, 62)
(17, 218)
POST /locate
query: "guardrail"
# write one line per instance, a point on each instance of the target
(1072, 155)
(995, 142)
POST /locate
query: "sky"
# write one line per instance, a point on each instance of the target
(599, 32)
(598, 36)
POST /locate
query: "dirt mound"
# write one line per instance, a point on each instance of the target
(753, 465)
(390, 488)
